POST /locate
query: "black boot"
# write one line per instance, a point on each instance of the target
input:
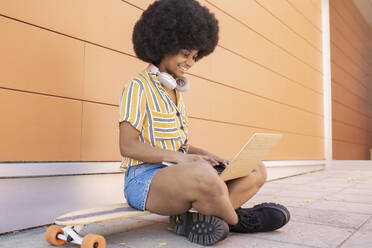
(264, 217)
(199, 228)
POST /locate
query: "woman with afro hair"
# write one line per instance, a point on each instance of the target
(171, 36)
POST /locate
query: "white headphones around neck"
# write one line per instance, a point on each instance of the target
(180, 84)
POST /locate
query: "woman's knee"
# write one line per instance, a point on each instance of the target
(261, 175)
(208, 182)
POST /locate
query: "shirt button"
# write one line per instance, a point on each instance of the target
(178, 114)
(182, 127)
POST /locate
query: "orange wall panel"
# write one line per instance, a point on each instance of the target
(266, 24)
(246, 109)
(263, 51)
(317, 4)
(310, 12)
(258, 80)
(347, 133)
(341, 77)
(285, 12)
(344, 114)
(351, 86)
(36, 60)
(345, 12)
(356, 15)
(108, 23)
(100, 133)
(339, 40)
(81, 53)
(342, 96)
(142, 4)
(106, 73)
(339, 58)
(345, 28)
(226, 139)
(350, 151)
(39, 128)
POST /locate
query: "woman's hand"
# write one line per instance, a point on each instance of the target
(210, 157)
(194, 158)
(216, 160)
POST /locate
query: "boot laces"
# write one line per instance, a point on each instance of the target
(250, 221)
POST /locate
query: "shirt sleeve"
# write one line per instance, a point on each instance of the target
(133, 105)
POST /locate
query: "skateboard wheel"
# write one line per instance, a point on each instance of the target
(93, 241)
(51, 235)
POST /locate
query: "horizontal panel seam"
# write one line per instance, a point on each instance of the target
(269, 69)
(347, 23)
(357, 40)
(264, 37)
(353, 16)
(254, 94)
(132, 5)
(112, 105)
(116, 105)
(351, 92)
(351, 75)
(334, 26)
(114, 50)
(250, 126)
(352, 109)
(57, 96)
(351, 125)
(289, 27)
(358, 128)
(67, 35)
(306, 18)
(352, 59)
(350, 142)
(352, 30)
(345, 106)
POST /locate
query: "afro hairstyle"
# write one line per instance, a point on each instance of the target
(167, 26)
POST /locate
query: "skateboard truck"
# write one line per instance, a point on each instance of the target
(71, 234)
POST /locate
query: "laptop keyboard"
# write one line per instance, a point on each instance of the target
(219, 168)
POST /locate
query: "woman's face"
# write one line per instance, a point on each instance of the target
(178, 64)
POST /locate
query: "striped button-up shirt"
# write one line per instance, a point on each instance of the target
(148, 107)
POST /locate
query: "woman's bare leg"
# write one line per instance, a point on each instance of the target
(176, 189)
(244, 188)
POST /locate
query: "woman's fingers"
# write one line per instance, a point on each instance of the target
(211, 160)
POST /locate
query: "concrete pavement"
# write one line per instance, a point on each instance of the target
(330, 208)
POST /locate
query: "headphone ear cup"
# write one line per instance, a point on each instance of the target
(182, 84)
(167, 80)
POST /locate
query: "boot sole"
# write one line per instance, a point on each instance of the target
(199, 228)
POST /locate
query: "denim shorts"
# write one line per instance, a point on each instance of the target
(137, 183)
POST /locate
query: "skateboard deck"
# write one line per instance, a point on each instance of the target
(99, 214)
(255, 149)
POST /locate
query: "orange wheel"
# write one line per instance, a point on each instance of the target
(51, 235)
(93, 241)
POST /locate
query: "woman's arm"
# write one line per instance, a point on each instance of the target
(131, 146)
(196, 150)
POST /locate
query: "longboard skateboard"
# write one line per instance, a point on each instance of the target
(256, 148)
